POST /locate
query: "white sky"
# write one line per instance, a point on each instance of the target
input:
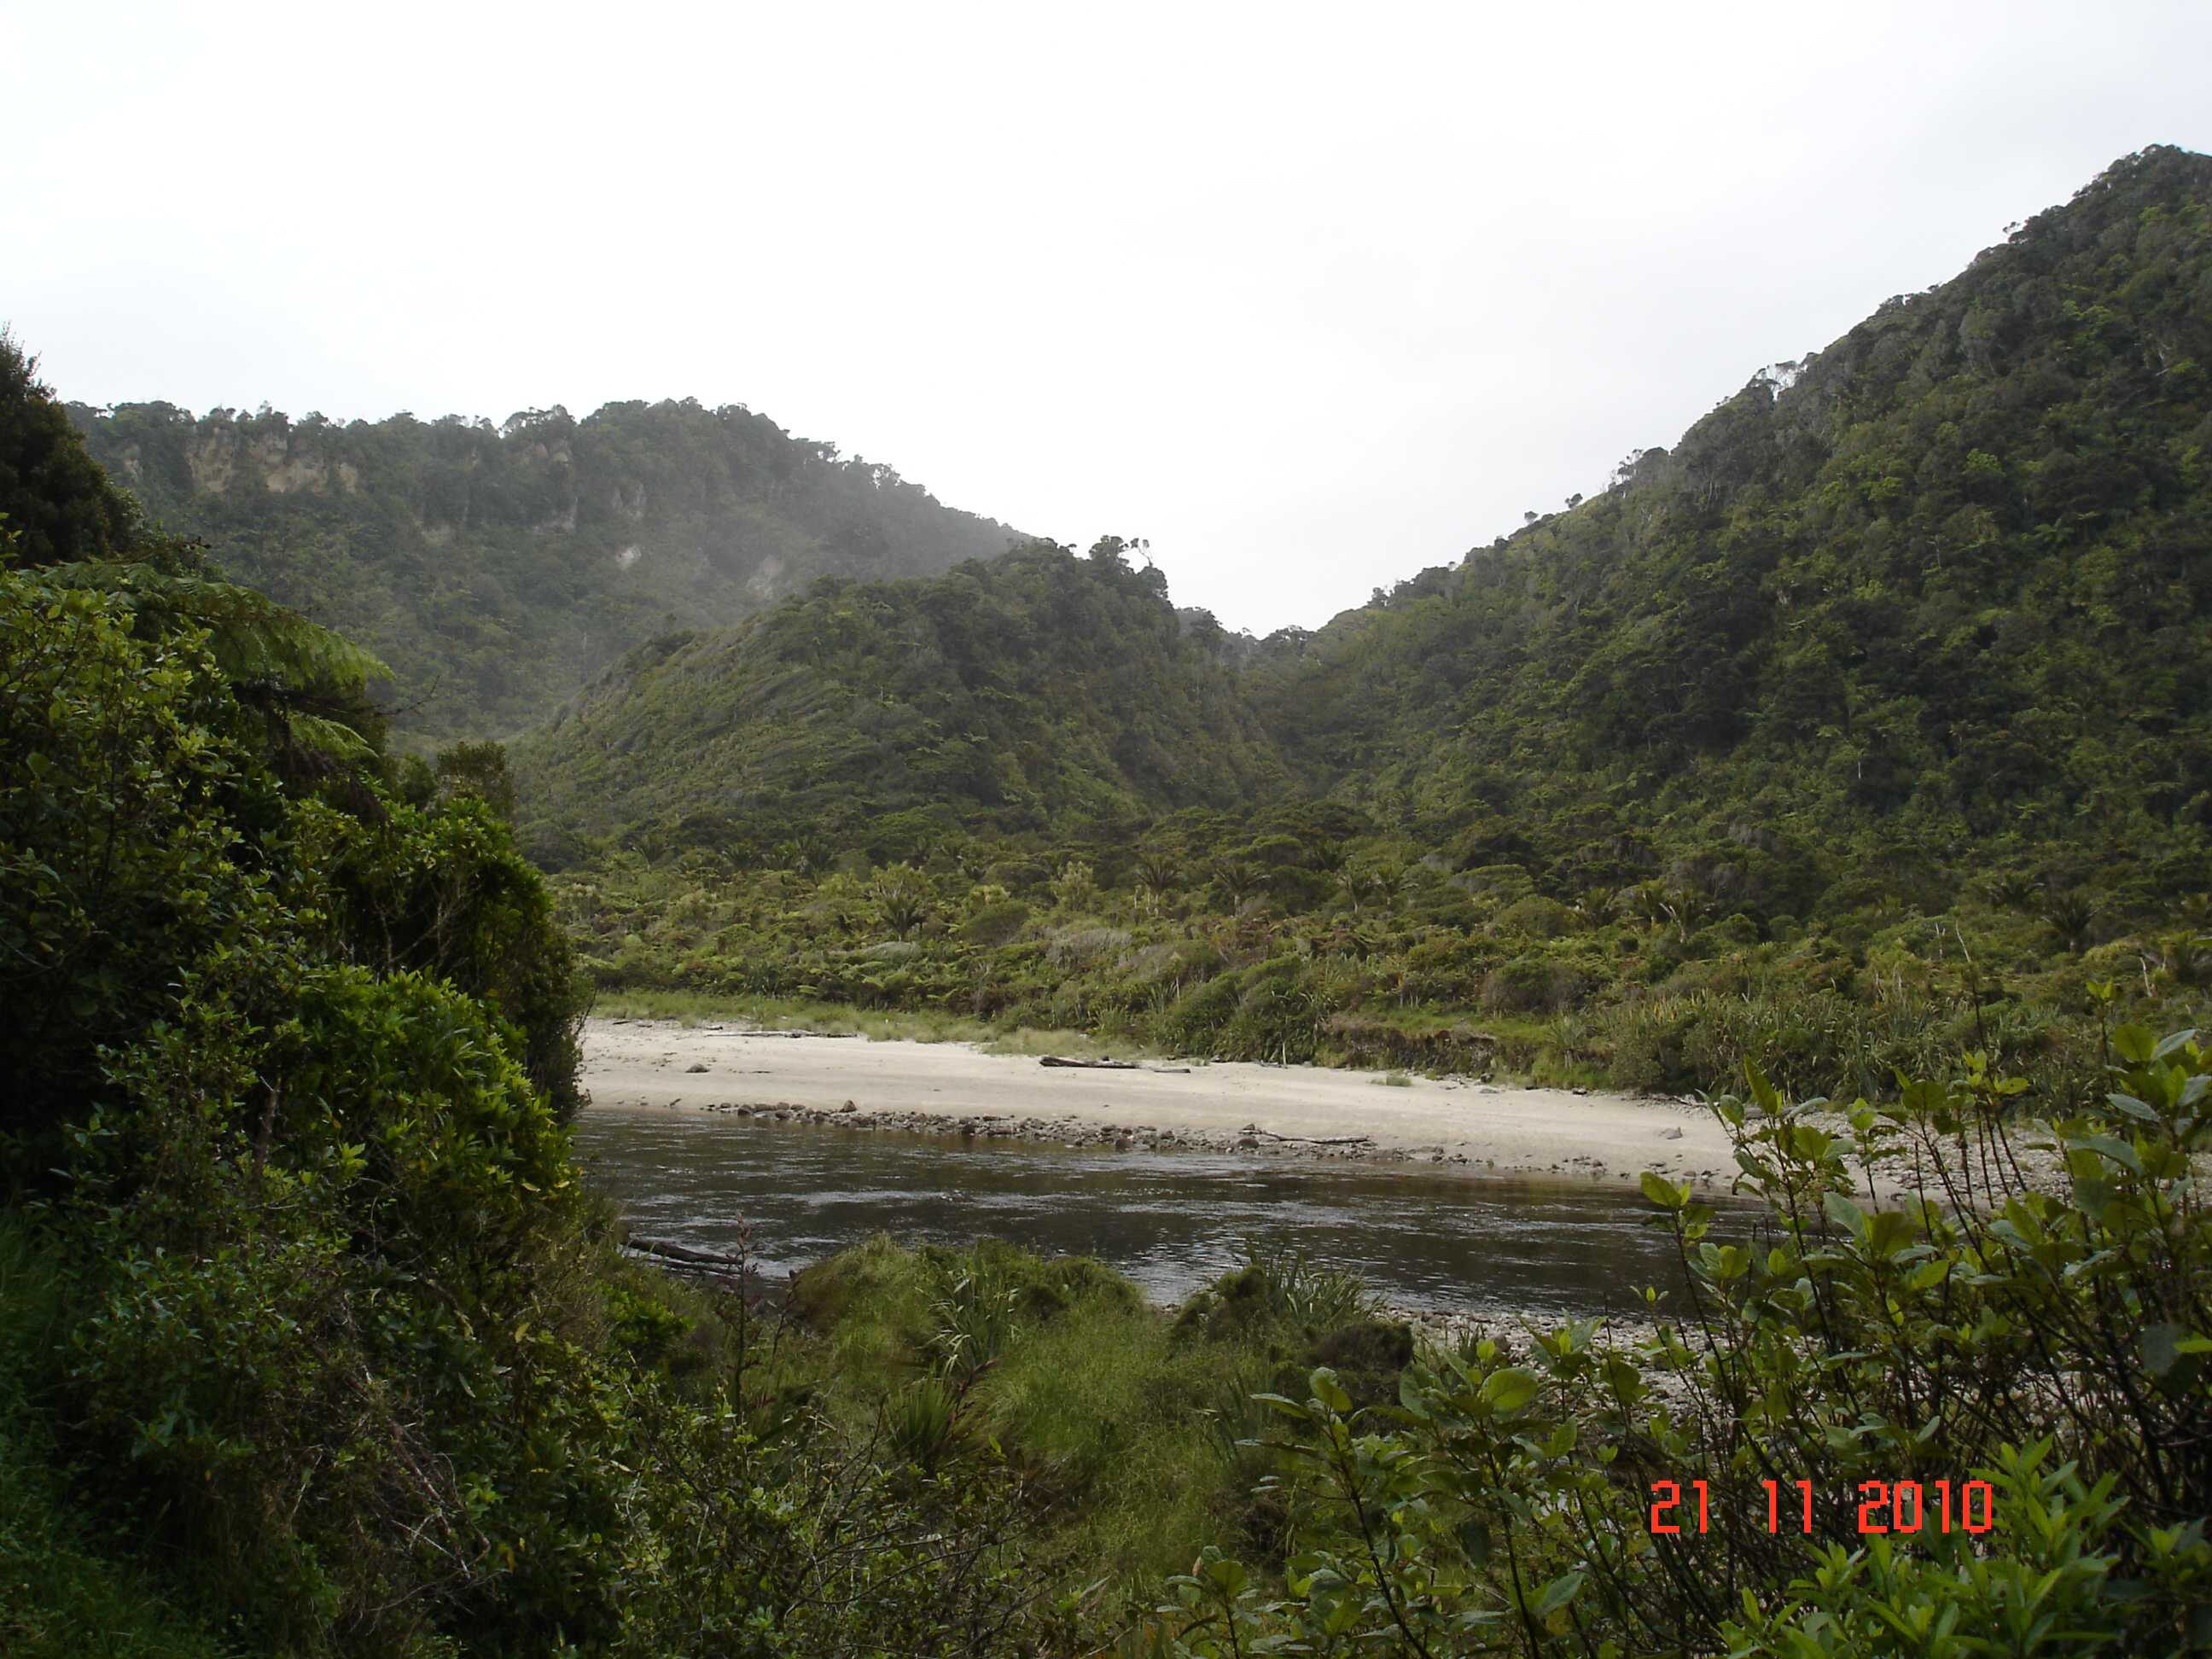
(1312, 297)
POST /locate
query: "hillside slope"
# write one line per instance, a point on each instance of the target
(1937, 597)
(497, 567)
(1942, 591)
(1040, 690)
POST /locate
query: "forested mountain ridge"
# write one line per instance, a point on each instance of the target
(1938, 594)
(1947, 580)
(497, 567)
(1017, 695)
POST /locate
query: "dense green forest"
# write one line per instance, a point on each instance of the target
(1008, 696)
(1873, 718)
(1944, 582)
(314, 1339)
(495, 568)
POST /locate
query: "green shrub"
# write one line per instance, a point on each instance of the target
(1539, 918)
(1196, 1021)
(62, 1595)
(1531, 983)
(2038, 1326)
(996, 924)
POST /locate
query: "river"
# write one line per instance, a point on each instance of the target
(1170, 1220)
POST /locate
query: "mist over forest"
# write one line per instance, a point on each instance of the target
(1843, 767)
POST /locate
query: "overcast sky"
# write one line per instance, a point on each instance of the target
(1312, 297)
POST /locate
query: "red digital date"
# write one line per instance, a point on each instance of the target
(1902, 1506)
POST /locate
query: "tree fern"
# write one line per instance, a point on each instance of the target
(298, 674)
(255, 640)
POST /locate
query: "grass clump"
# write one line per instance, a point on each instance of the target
(1125, 1424)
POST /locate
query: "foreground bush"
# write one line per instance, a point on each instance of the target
(318, 1332)
(1120, 1422)
(1943, 1292)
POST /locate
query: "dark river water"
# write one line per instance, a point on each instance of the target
(1170, 1220)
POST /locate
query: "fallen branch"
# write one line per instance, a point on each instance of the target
(687, 1255)
(1090, 1065)
(1308, 1140)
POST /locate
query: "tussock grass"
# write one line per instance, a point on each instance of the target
(1121, 1417)
(1103, 1405)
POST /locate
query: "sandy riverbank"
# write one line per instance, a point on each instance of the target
(653, 1065)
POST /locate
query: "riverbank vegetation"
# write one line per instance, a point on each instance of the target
(845, 1020)
(1125, 1426)
(1424, 974)
(1864, 733)
(1818, 1426)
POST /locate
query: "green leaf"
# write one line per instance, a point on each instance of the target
(2095, 1197)
(1412, 1398)
(2161, 1347)
(2134, 1043)
(2172, 1043)
(1475, 1540)
(2132, 1106)
(1510, 1389)
(1330, 1392)
(1846, 1214)
(1662, 1192)
(1557, 1594)
(2118, 1151)
(1889, 1232)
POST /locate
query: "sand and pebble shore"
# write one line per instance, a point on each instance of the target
(1298, 1112)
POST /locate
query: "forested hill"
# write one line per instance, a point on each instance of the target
(1028, 693)
(1936, 595)
(497, 567)
(1944, 585)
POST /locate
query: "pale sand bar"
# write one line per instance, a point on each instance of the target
(1474, 1126)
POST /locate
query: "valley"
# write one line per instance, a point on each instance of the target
(1709, 987)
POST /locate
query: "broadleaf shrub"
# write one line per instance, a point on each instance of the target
(1944, 1290)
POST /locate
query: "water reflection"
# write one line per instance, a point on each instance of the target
(1170, 1220)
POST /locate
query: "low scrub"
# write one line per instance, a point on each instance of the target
(1969, 1418)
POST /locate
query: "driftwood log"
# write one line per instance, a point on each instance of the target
(1090, 1065)
(687, 1257)
(1308, 1141)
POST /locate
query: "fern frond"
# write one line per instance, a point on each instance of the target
(332, 738)
(252, 637)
